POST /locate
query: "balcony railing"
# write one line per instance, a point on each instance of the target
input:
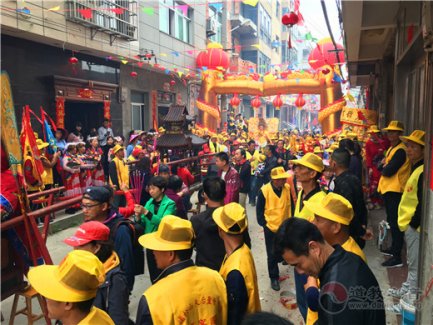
(115, 17)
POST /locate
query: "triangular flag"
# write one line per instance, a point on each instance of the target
(190, 52)
(56, 8)
(118, 11)
(140, 64)
(124, 61)
(148, 10)
(180, 74)
(183, 8)
(308, 36)
(175, 53)
(163, 54)
(86, 13)
(251, 3)
(257, 46)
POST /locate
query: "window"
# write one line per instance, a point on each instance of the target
(216, 16)
(175, 19)
(116, 17)
(264, 63)
(139, 111)
(265, 26)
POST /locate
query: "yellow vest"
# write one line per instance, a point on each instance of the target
(47, 177)
(351, 246)
(277, 209)
(122, 172)
(214, 148)
(305, 213)
(255, 162)
(396, 182)
(188, 296)
(242, 260)
(409, 200)
(97, 316)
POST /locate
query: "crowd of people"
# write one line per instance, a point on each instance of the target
(311, 195)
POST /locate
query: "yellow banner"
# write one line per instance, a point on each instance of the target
(9, 131)
(358, 116)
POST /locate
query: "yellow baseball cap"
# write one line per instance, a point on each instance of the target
(332, 148)
(279, 173)
(262, 158)
(230, 215)
(173, 234)
(116, 148)
(416, 136)
(394, 126)
(333, 207)
(310, 160)
(77, 278)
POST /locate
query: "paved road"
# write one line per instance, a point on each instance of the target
(270, 299)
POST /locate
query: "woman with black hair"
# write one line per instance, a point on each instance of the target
(113, 294)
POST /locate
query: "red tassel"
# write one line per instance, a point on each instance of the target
(289, 42)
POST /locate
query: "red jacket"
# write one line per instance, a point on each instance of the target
(233, 184)
(186, 176)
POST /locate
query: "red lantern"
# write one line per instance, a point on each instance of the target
(324, 54)
(290, 19)
(133, 74)
(300, 101)
(278, 102)
(213, 58)
(256, 102)
(235, 101)
(73, 60)
(172, 82)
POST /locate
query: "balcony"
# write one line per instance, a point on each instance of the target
(242, 25)
(117, 18)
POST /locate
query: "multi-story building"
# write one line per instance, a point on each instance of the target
(79, 54)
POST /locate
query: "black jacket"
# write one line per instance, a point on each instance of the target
(349, 292)
(113, 296)
(244, 171)
(122, 244)
(270, 163)
(210, 247)
(349, 186)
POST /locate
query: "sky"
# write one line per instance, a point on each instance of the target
(314, 19)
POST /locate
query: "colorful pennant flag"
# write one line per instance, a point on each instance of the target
(148, 10)
(251, 3)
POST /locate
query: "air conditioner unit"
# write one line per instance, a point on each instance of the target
(211, 27)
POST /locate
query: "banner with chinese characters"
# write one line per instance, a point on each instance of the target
(107, 112)
(358, 116)
(154, 109)
(60, 112)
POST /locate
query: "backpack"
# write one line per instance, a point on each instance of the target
(137, 230)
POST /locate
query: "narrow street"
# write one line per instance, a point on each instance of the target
(270, 299)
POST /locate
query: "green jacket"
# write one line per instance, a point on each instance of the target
(152, 220)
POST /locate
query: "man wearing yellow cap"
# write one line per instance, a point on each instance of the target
(349, 291)
(70, 287)
(238, 269)
(409, 210)
(332, 215)
(308, 171)
(183, 293)
(119, 173)
(395, 173)
(273, 207)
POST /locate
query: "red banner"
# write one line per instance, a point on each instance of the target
(107, 112)
(60, 112)
(154, 109)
